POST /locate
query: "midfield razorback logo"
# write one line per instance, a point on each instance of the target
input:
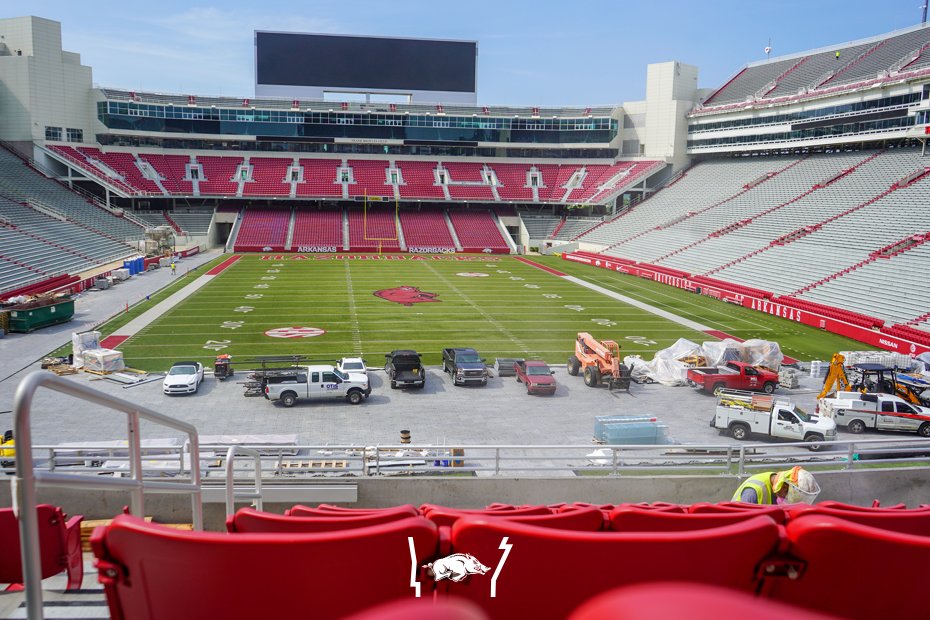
(406, 295)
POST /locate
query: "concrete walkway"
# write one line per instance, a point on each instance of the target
(20, 353)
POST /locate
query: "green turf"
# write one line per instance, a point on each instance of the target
(515, 311)
(136, 309)
(796, 340)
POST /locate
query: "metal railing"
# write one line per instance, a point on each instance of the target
(231, 494)
(297, 463)
(27, 477)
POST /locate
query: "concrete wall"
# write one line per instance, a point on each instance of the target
(890, 486)
(659, 123)
(41, 85)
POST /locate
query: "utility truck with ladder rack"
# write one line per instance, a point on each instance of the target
(745, 413)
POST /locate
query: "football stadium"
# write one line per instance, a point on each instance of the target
(653, 357)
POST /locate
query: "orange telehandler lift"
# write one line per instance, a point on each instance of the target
(599, 360)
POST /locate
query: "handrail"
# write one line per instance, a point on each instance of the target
(365, 462)
(231, 493)
(26, 479)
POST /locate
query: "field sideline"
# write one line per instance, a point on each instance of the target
(497, 304)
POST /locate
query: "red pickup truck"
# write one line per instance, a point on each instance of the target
(536, 375)
(733, 376)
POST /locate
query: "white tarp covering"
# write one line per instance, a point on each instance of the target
(755, 352)
(83, 342)
(668, 368)
(103, 360)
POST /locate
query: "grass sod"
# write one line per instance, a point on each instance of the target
(795, 339)
(515, 310)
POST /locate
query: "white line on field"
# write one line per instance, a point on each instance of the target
(490, 319)
(638, 304)
(353, 314)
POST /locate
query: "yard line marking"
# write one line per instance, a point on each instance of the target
(353, 313)
(490, 319)
(638, 304)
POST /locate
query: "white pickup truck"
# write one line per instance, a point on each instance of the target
(316, 382)
(744, 413)
(883, 412)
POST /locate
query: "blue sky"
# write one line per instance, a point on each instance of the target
(529, 53)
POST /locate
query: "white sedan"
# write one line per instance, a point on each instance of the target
(183, 378)
(353, 365)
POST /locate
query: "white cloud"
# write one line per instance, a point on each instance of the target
(203, 50)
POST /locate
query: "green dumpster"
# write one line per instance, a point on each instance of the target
(34, 315)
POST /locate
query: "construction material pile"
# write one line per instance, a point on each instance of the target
(670, 366)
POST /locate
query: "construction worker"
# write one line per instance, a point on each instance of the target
(784, 487)
(7, 451)
(174, 268)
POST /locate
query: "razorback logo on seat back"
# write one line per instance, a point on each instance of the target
(406, 295)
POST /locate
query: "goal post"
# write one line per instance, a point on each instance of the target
(378, 202)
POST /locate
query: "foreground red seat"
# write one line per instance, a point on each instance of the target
(249, 520)
(635, 519)
(150, 572)
(548, 572)
(649, 601)
(423, 609)
(578, 519)
(854, 571)
(59, 546)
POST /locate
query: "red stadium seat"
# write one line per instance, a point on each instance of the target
(329, 510)
(495, 510)
(649, 601)
(578, 519)
(251, 521)
(423, 609)
(854, 571)
(916, 522)
(59, 546)
(633, 519)
(150, 572)
(776, 512)
(548, 572)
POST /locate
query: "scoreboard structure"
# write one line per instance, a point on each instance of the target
(321, 66)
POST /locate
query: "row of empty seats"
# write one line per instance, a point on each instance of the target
(503, 557)
(252, 175)
(374, 229)
(810, 227)
(22, 183)
(828, 68)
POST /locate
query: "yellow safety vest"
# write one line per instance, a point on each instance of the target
(762, 484)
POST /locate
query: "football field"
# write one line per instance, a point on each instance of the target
(326, 307)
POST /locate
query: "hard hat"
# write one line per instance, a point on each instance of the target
(801, 485)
